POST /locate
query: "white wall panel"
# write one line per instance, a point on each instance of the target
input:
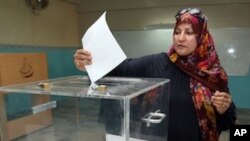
(144, 42)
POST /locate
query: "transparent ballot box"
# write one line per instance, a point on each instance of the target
(73, 109)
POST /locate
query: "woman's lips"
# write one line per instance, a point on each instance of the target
(181, 46)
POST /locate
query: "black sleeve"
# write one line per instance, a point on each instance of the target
(147, 66)
(224, 121)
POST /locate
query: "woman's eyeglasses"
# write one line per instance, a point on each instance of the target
(192, 11)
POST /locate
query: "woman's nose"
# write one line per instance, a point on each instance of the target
(182, 37)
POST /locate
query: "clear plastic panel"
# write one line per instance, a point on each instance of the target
(134, 110)
(79, 86)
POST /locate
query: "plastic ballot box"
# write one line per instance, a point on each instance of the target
(112, 109)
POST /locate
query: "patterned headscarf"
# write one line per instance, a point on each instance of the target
(203, 67)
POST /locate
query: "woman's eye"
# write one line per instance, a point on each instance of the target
(190, 32)
(177, 32)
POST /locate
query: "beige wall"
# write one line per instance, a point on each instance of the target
(63, 23)
(131, 14)
(57, 25)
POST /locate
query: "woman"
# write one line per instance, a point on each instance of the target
(200, 103)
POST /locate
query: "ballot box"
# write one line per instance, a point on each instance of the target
(111, 109)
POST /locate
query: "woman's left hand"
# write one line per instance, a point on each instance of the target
(221, 101)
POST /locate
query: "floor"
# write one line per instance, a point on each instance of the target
(67, 126)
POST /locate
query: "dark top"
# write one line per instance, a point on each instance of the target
(183, 123)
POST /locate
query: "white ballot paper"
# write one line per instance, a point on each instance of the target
(106, 52)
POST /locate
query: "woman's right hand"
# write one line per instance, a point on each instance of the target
(82, 58)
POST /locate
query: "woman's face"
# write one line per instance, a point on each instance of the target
(184, 39)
